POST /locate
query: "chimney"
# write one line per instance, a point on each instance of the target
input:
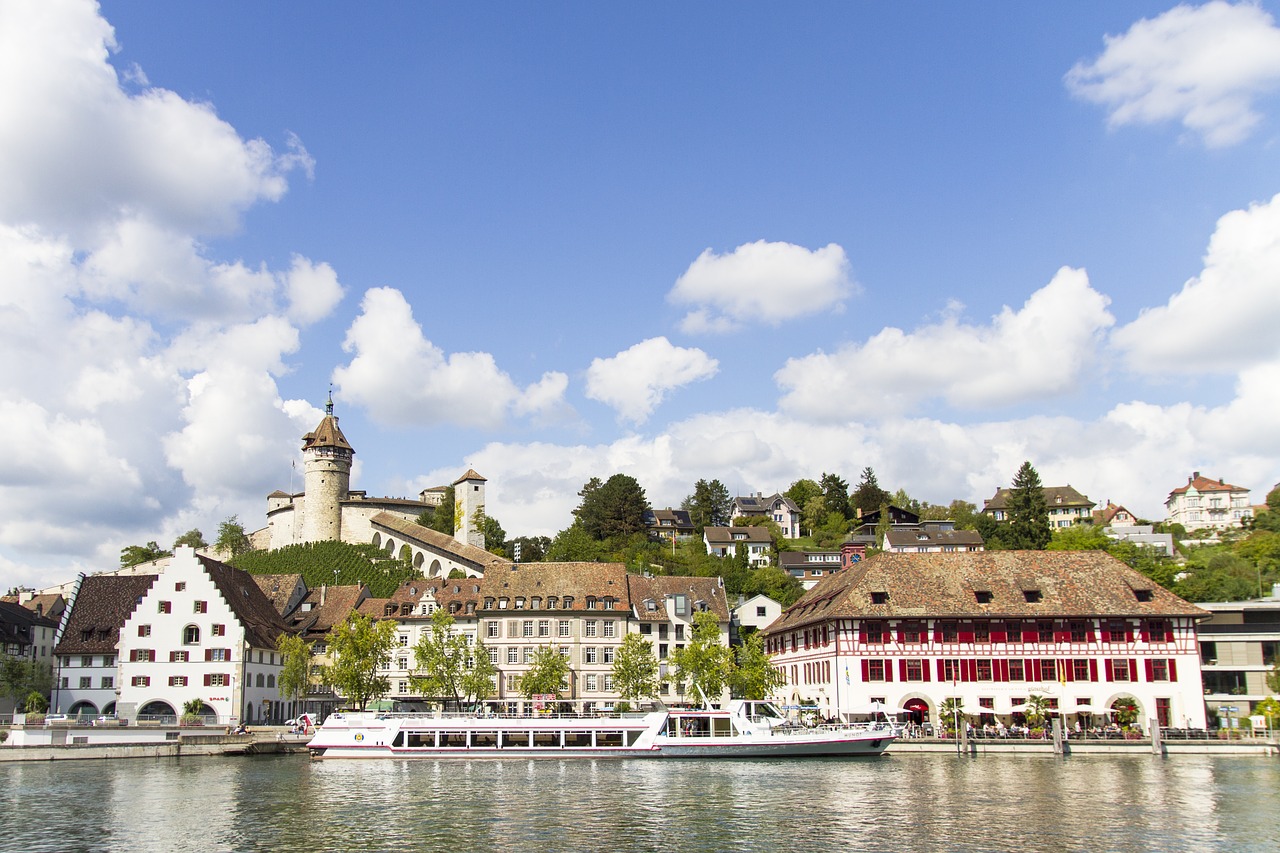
(1195, 476)
(323, 589)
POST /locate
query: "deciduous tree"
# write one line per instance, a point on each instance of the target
(358, 648)
(754, 677)
(801, 491)
(232, 537)
(441, 656)
(192, 538)
(546, 674)
(133, 555)
(835, 495)
(635, 669)
(706, 664)
(294, 679)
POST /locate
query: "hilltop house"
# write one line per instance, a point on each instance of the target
(778, 508)
(1066, 506)
(725, 542)
(1205, 503)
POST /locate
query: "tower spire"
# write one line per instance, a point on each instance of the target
(328, 406)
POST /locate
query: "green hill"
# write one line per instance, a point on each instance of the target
(317, 562)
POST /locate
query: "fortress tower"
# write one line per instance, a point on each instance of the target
(327, 478)
(468, 506)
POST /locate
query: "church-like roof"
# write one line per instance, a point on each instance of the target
(470, 475)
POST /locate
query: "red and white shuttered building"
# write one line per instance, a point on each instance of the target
(992, 629)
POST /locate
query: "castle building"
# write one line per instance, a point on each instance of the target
(327, 509)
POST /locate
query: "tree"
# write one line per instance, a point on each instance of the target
(132, 555)
(193, 538)
(35, 703)
(19, 678)
(294, 679)
(635, 669)
(495, 538)
(546, 675)
(753, 677)
(883, 527)
(813, 513)
(705, 663)
(1038, 708)
(772, 581)
(441, 658)
(709, 505)
(479, 679)
(533, 549)
(801, 491)
(358, 648)
(231, 537)
(440, 518)
(950, 713)
(835, 495)
(1273, 678)
(1028, 513)
(868, 497)
(615, 508)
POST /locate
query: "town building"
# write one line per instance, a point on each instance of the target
(725, 542)
(669, 524)
(28, 636)
(931, 538)
(1239, 649)
(776, 507)
(201, 631)
(1205, 503)
(87, 674)
(1066, 506)
(991, 629)
(809, 567)
(752, 614)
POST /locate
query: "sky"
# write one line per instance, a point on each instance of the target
(746, 241)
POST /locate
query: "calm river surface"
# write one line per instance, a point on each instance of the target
(898, 802)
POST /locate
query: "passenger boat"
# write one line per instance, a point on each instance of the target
(740, 729)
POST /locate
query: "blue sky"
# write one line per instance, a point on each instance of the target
(558, 241)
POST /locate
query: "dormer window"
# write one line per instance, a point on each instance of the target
(535, 603)
(591, 602)
(503, 602)
(520, 602)
(650, 604)
(982, 596)
(488, 604)
(880, 597)
(551, 602)
(1032, 596)
(1142, 594)
(568, 602)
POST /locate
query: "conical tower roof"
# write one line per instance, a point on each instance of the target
(327, 434)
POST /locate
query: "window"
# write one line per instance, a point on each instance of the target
(1032, 596)
(564, 652)
(983, 669)
(217, 654)
(875, 670)
(760, 611)
(108, 682)
(488, 604)
(589, 654)
(513, 655)
(493, 656)
(608, 683)
(493, 630)
(141, 681)
(177, 681)
(1015, 670)
(608, 603)
(526, 628)
(1048, 670)
(950, 632)
(519, 602)
(179, 586)
(1209, 653)
(404, 640)
(142, 655)
(178, 657)
(402, 686)
(591, 602)
(165, 607)
(915, 669)
(879, 598)
(1079, 632)
(219, 630)
(1080, 669)
(544, 627)
(982, 596)
(679, 632)
(217, 679)
(911, 632)
(608, 654)
(591, 684)
(86, 682)
(191, 635)
(143, 631)
(527, 656)
(1119, 669)
(1044, 631)
(590, 628)
(1159, 669)
(610, 628)
(87, 660)
(200, 607)
(402, 663)
(982, 632)
(563, 628)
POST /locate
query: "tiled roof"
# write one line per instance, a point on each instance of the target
(102, 605)
(1204, 484)
(327, 434)
(731, 535)
(757, 505)
(17, 621)
(668, 519)
(578, 580)
(1054, 496)
(924, 536)
(262, 622)
(800, 559)
(657, 588)
(330, 606)
(478, 557)
(469, 475)
(278, 589)
(1070, 583)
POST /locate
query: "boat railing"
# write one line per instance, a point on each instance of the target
(500, 715)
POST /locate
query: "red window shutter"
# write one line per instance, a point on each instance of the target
(1146, 634)
(1106, 635)
(866, 670)
(966, 634)
(1133, 670)
(1090, 634)
(863, 636)
(924, 669)
(902, 669)
(1168, 634)
(1150, 668)
(1068, 672)
(888, 670)
(1030, 635)
(1033, 669)
(208, 654)
(1128, 634)
(1111, 675)
(1061, 636)
(1173, 670)
(208, 679)
(999, 636)
(226, 654)
(937, 632)
(942, 670)
(1093, 670)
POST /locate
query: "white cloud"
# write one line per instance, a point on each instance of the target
(402, 378)
(1041, 350)
(761, 283)
(636, 380)
(1202, 66)
(1225, 318)
(313, 290)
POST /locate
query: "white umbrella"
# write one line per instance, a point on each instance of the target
(1024, 707)
(1090, 709)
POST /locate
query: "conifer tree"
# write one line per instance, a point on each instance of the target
(1028, 513)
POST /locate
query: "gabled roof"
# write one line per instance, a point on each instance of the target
(668, 519)
(926, 536)
(101, 606)
(469, 475)
(330, 605)
(1054, 496)
(656, 589)
(943, 585)
(579, 580)
(732, 535)
(759, 505)
(262, 623)
(462, 551)
(17, 621)
(800, 559)
(279, 589)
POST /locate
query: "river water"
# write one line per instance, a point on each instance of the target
(909, 802)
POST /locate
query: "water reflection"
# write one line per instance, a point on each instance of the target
(900, 802)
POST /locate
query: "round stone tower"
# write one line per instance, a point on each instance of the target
(468, 507)
(326, 464)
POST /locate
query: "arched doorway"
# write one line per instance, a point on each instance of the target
(83, 709)
(157, 711)
(917, 711)
(109, 709)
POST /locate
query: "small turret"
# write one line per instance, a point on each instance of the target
(468, 508)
